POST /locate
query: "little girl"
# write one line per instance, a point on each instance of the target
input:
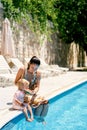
(18, 100)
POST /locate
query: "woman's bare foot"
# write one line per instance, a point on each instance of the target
(44, 122)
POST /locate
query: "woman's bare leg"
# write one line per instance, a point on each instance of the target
(44, 110)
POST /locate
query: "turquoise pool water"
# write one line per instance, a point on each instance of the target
(67, 111)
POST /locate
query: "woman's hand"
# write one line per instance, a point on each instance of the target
(33, 92)
(36, 90)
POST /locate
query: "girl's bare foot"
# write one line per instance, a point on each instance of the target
(32, 118)
(29, 119)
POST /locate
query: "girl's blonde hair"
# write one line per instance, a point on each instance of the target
(22, 82)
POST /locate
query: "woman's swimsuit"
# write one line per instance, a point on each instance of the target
(32, 78)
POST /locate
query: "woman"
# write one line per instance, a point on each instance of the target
(33, 76)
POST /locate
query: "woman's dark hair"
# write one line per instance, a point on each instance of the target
(34, 60)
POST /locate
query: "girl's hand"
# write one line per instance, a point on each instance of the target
(22, 104)
(29, 91)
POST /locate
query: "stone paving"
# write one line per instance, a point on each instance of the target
(49, 87)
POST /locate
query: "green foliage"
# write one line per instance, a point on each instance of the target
(34, 13)
(72, 20)
(9, 10)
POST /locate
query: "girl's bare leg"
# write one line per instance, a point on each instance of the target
(26, 114)
(31, 113)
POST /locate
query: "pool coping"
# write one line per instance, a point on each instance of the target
(8, 114)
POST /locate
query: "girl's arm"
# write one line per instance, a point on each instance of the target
(36, 89)
(29, 91)
(20, 103)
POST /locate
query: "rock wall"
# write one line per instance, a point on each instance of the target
(52, 52)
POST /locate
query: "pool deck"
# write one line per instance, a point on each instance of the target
(49, 88)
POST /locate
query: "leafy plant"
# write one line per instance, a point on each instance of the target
(34, 13)
(72, 21)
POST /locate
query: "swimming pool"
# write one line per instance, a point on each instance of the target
(67, 111)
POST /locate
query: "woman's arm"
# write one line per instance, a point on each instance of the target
(37, 84)
(19, 75)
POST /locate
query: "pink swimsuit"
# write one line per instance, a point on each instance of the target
(19, 95)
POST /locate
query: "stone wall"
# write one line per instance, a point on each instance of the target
(54, 52)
